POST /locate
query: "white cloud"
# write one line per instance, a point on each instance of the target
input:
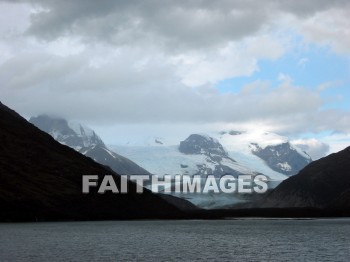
(315, 148)
(232, 60)
(285, 78)
(338, 141)
(321, 147)
(303, 61)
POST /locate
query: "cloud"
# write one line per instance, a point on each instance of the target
(337, 141)
(130, 92)
(315, 148)
(9, 10)
(311, 7)
(194, 24)
(329, 143)
(208, 41)
(232, 60)
(285, 78)
(330, 28)
(327, 85)
(303, 61)
(178, 25)
(123, 88)
(155, 62)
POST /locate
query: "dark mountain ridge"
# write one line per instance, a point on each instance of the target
(41, 179)
(324, 183)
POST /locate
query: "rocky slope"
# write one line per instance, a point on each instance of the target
(282, 158)
(217, 160)
(325, 183)
(41, 179)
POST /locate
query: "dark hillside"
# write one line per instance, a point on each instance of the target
(42, 180)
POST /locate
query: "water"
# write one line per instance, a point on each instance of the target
(215, 240)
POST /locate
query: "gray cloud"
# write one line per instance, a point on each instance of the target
(171, 24)
(315, 148)
(308, 8)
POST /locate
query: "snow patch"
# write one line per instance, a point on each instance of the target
(285, 166)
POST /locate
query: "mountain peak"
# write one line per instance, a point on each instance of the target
(202, 144)
(283, 158)
(87, 142)
(71, 134)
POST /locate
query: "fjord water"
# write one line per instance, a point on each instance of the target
(215, 240)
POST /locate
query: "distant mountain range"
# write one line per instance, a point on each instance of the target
(41, 179)
(233, 152)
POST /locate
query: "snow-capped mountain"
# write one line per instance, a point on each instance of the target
(87, 142)
(266, 152)
(118, 163)
(221, 153)
(71, 134)
(216, 160)
(283, 158)
(233, 152)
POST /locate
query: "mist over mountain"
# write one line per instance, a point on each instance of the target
(71, 134)
(86, 141)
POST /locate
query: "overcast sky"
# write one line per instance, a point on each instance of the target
(131, 69)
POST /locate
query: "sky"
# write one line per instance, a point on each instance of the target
(167, 68)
